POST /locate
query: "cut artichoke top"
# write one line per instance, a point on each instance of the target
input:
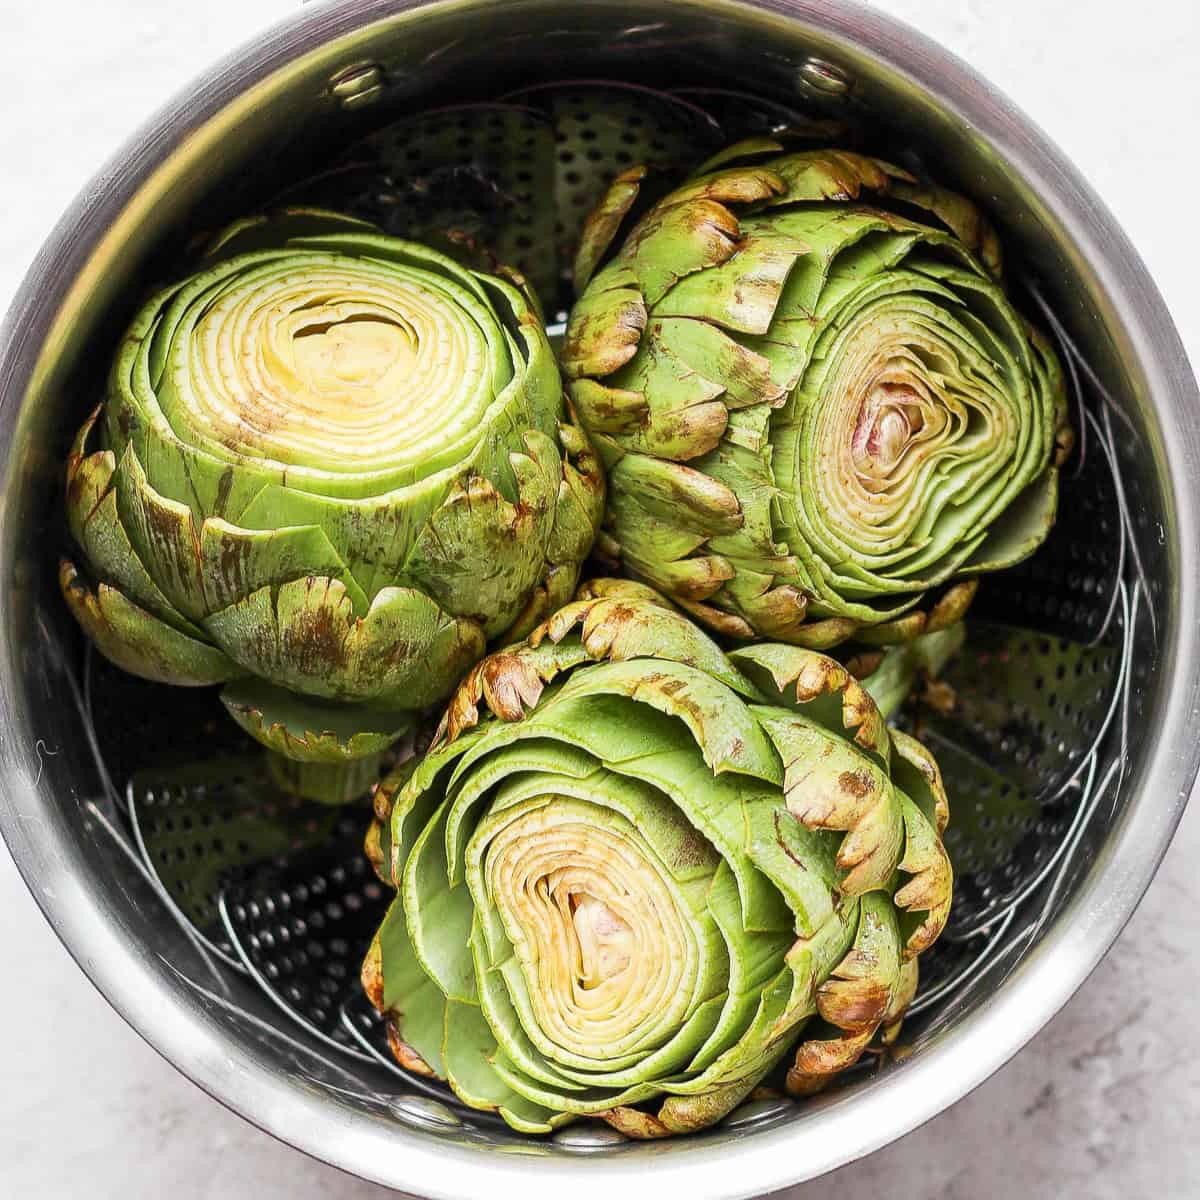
(332, 465)
(632, 869)
(337, 370)
(814, 408)
(351, 374)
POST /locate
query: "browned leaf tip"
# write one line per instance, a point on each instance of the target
(505, 681)
(819, 1062)
(864, 664)
(372, 975)
(405, 1055)
(853, 1005)
(635, 1124)
(860, 715)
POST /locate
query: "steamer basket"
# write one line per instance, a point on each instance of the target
(226, 925)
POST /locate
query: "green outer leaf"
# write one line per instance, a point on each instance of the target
(856, 999)
(411, 998)
(308, 731)
(304, 636)
(728, 740)
(137, 641)
(470, 1048)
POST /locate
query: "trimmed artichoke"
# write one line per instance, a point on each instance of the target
(813, 408)
(631, 888)
(331, 466)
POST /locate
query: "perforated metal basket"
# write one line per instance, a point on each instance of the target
(226, 920)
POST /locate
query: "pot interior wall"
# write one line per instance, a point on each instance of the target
(239, 149)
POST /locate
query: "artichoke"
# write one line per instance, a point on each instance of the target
(634, 871)
(813, 406)
(329, 468)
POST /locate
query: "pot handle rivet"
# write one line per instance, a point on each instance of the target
(824, 77)
(357, 85)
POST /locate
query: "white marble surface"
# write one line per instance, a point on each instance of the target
(1106, 1101)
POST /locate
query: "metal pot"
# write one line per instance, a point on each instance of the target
(338, 69)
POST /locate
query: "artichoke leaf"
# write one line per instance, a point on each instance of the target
(821, 688)
(305, 636)
(855, 1000)
(603, 221)
(306, 730)
(136, 640)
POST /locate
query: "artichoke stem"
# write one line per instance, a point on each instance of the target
(326, 783)
(891, 682)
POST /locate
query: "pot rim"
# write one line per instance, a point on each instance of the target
(846, 1127)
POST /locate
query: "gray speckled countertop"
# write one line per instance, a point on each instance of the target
(1105, 1103)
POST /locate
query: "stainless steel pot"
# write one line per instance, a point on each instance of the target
(337, 69)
